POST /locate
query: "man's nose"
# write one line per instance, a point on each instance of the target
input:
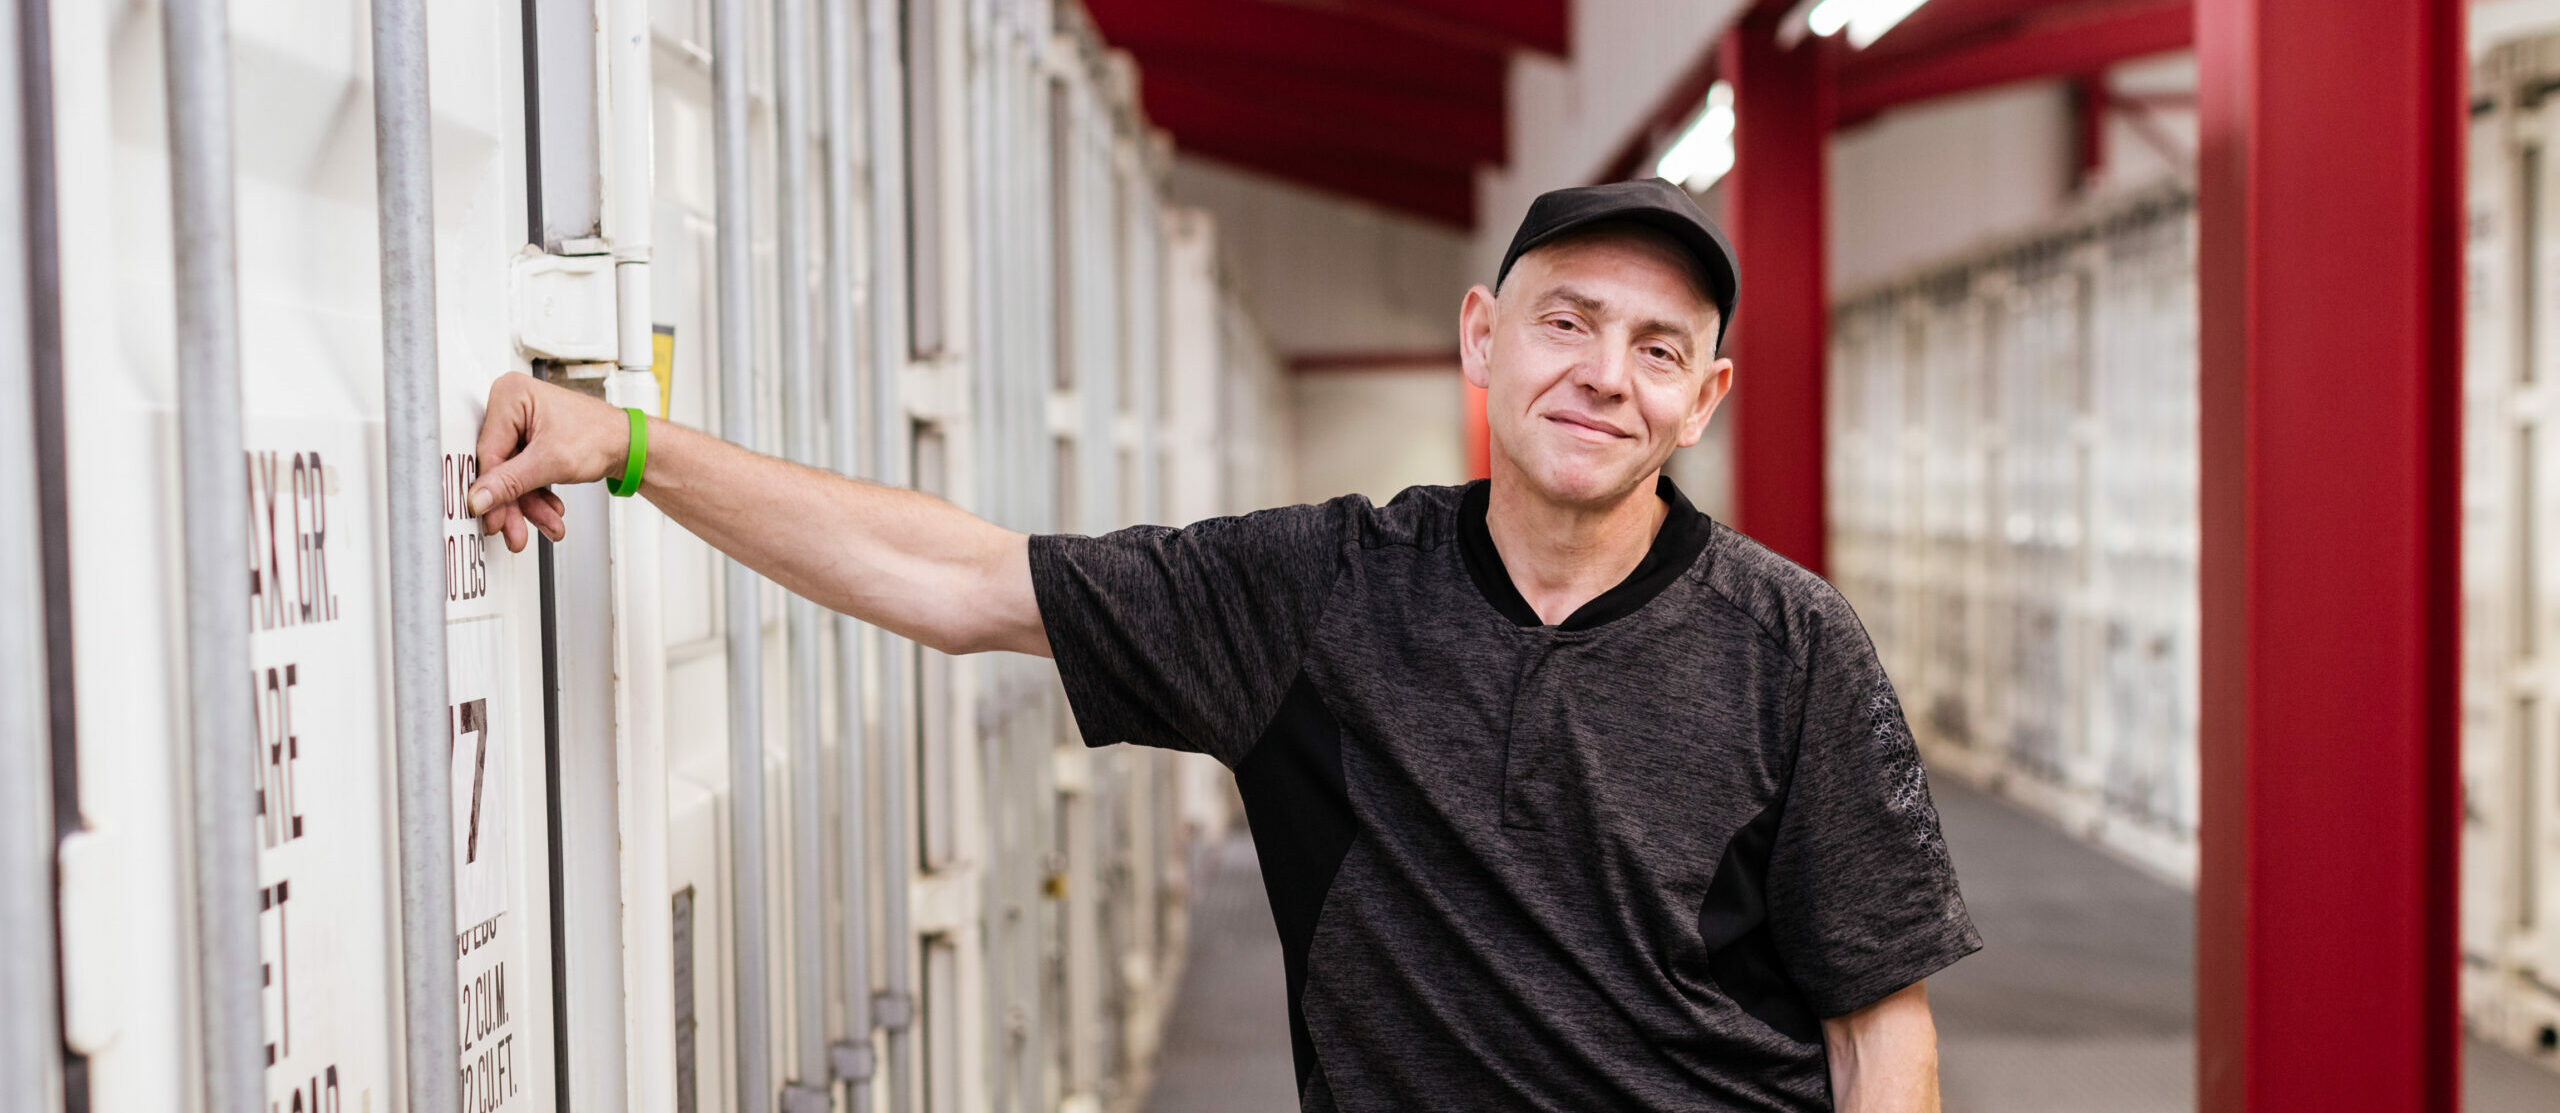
(1604, 371)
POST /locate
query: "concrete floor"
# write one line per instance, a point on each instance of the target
(2080, 1002)
(1226, 1043)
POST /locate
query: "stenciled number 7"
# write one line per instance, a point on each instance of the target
(474, 716)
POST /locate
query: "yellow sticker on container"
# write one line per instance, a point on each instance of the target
(662, 362)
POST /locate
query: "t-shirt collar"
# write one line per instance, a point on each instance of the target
(1684, 534)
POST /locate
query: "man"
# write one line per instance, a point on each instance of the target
(1567, 798)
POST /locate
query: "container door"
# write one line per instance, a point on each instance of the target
(315, 574)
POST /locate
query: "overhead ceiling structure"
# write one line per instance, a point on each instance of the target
(1954, 46)
(1942, 48)
(1396, 102)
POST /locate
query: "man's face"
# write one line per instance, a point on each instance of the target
(1598, 359)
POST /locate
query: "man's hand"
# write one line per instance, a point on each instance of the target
(1884, 1058)
(535, 435)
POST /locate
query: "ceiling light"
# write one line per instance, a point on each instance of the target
(1829, 16)
(1865, 20)
(1704, 151)
(1876, 17)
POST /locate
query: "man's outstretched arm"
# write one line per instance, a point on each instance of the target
(909, 562)
(1884, 1058)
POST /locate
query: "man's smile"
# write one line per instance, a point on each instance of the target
(1586, 426)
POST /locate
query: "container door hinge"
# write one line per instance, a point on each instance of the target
(806, 1097)
(564, 305)
(893, 1011)
(852, 1062)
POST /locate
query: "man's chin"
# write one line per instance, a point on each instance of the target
(1583, 486)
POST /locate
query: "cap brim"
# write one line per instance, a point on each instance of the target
(1714, 257)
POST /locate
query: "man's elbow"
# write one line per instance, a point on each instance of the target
(990, 637)
(992, 609)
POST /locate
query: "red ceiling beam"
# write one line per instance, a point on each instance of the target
(1939, 24)
(1312, 41)
(1492, 26)
(2043, 49)
(1430, 192)
(1285, 80)
(1194, 111)
(1427, 129)
(1543, 26)
(1396, 102)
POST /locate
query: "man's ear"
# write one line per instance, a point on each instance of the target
(1710, 394)
(1475, 336)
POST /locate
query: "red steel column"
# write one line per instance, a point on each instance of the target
(2329, 258)
(1774, 202)
(1479, 434)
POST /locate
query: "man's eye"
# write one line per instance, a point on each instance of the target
(1566, 325)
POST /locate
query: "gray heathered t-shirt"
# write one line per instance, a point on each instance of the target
(1628, 861)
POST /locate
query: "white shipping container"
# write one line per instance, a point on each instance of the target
(961, 275)
(2013, 479)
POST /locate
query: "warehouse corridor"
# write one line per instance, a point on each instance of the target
(2081, 1001)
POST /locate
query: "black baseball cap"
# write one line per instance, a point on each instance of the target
(1651, 202)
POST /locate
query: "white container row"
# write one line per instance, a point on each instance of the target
(2010, 435)
(2014, 486)
(2510, 669)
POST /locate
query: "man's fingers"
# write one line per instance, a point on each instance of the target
(503, 432)
(547, 512)
(496, 521)
(515, 530)
(505, 482)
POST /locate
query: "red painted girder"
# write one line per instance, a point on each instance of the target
(1194, 113)
(2055, 48)
(1433, 193)
(1288, 79)
(1503, 26)
(2329, 259)
(1427, 129)
(1939, 24)
(1544, 26)
(1317, 43)
(1492, 26)
(1774, 207)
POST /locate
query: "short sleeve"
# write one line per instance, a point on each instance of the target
(1186, 638)
(1862, 894)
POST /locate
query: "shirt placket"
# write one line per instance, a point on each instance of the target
(1531, 745)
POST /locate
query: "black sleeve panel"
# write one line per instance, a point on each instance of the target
(1188, 638)
(1862, 895)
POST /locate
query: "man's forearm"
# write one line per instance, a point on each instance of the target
(889, 556)
(1884, 1058)
(910, 562)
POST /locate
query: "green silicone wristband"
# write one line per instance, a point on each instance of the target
(638, 459)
